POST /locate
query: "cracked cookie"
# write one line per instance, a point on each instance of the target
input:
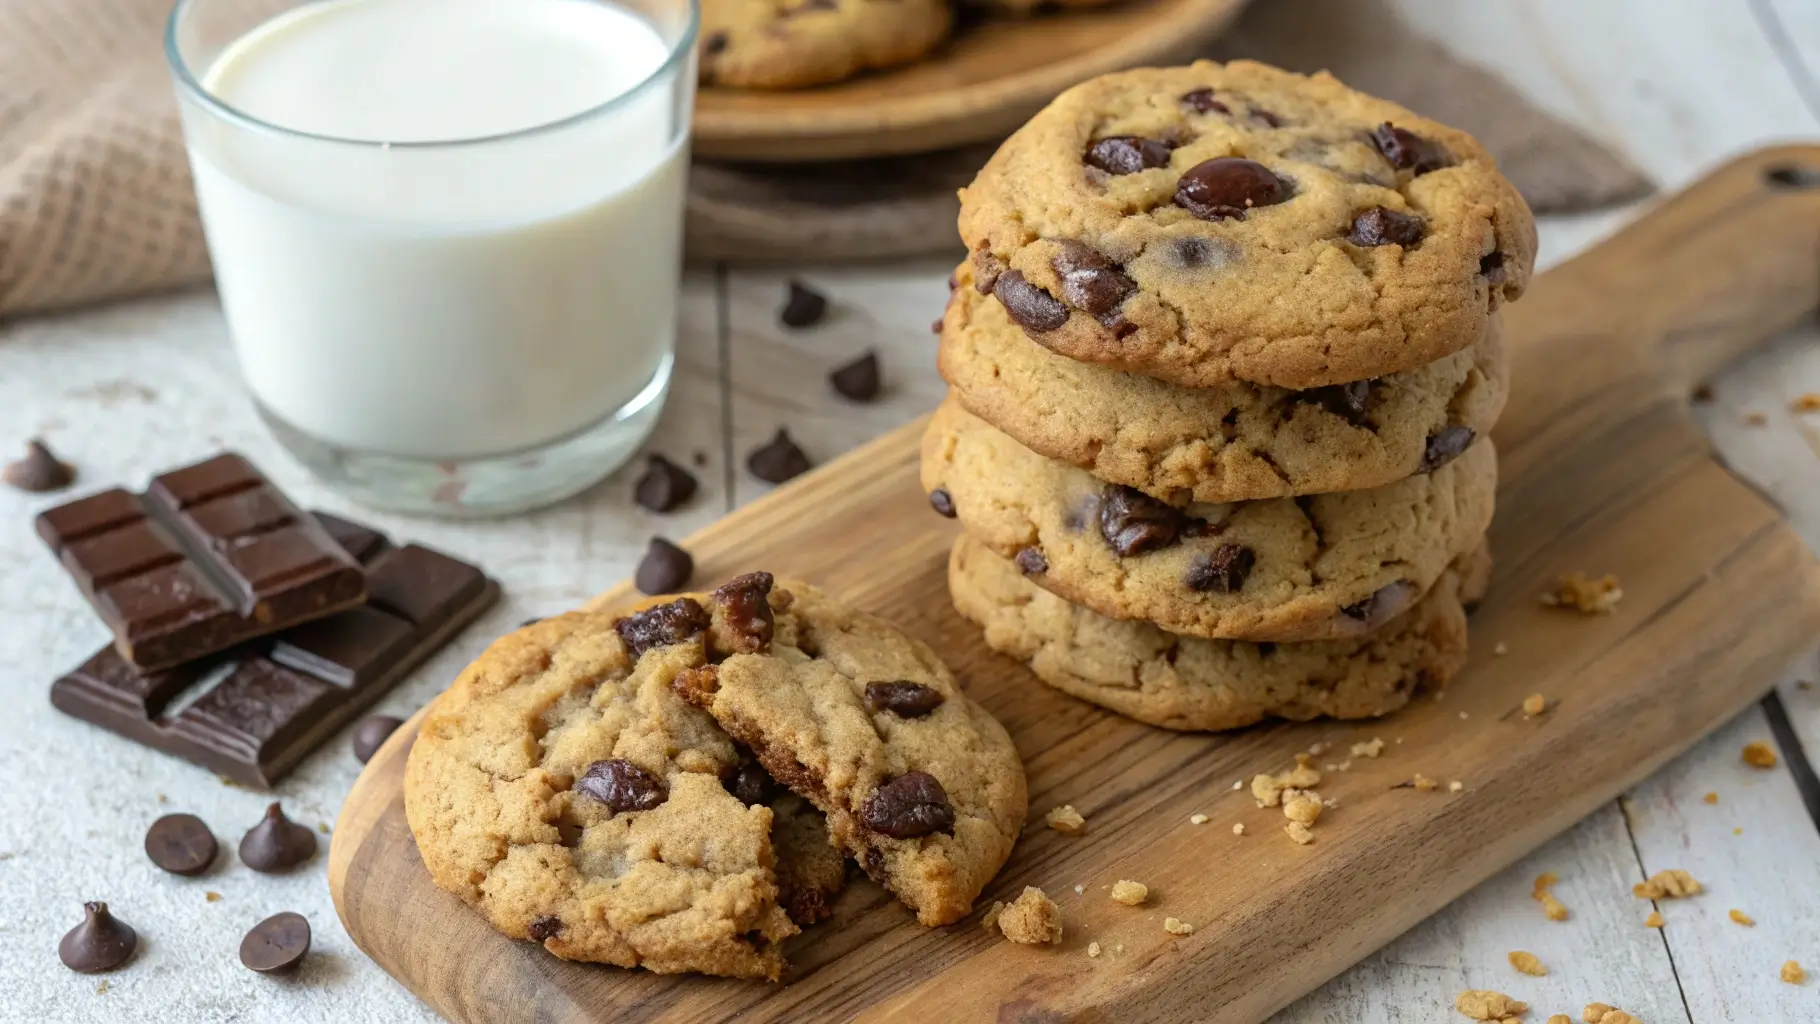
(789, 44)
(920, 785)
(1213, 223)
(1320, 567)
(1188, 683)
(1233, 442)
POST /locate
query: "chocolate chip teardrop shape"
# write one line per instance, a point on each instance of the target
(1406, 150)
(1127, 154)
(1227, 186)
(622, 786)
(1034, 309)
(101, 942)
(911, 805)
(1379, 226)
(277, 843)
(1090, 282)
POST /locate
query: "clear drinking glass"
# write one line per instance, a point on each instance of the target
(439, 309)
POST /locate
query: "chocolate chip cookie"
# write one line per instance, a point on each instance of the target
(1213, 223)
(789, 44)
(1321, 567)
(1187, 683)
(919, 784)
(1233, 442)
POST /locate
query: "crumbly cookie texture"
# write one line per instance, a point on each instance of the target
(1232, 442)
(1323, 567)
(788, 44)
(810, 871)
(562, 788)
(1187, 683)
(1032, 919)
(1214, 222)
(919, 784)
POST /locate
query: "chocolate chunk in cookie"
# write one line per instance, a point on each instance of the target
(1034, 309)
(903, 698)
(1224, 569)
(622, 785)
(662, 626)
(1127, 154)
(911, 805)
(1228, 186)
(1380, 226)
(1133, 522)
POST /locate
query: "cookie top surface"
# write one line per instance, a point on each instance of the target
(1321, 567)
(788, 44)
(1176, 682)
(1233, 442)
(919, 784)
(1212, 223)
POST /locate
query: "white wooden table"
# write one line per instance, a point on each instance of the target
(1677, 85)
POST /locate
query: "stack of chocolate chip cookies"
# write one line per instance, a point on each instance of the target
(1223, 360)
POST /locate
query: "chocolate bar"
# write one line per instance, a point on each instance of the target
(209, 556)
(250, 714)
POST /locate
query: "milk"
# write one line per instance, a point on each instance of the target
(445, 301)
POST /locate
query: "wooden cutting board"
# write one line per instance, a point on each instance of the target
(1603, 471)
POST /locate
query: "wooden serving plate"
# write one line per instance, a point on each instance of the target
(979, 86)
(1603, 471)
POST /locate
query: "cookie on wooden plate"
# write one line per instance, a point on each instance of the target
(790, 44)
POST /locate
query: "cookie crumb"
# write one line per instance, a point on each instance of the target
(1316, 749)
(1303, 807)
(1130, 893)
(212, 896)
(1534, 704)
(1599, 1013)
(1554, 908)
(1268, 790)
(1480, 1004)
(1177, 926)
(1079, 889)
(989, 920)
(1793, 974)
(1456, 786)
(1500, 649)
(1654, 920)
(1299, 832)
(1807, 402)
(1528, 963)
(1740, 917)
(1671, 884)
(102, 988)
(1238, 828)
(1755, 419)
(1424, 783)
(1066, 820)
(1711, 798)
(1583, 594)
(1093, 949)
(1238, 785)
(1197, 819)
(1371, 748)
(1032, 919)
(1759, 754)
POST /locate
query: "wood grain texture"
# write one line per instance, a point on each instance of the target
(1603, 471)
(982, 84)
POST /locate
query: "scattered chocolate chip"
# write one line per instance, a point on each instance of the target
(664, 569)
(277, 842)
(1703, 393)
(1133, 522)
(1090, 282)
(986, 270)
(622, 786)
(1265, 117)
(181, 844)
(903, 699)
(1491, 267)
(101, 942)
(661, 626)
(1380, 226)
(1127, 154)
(1383, 605)
(1032, 562)
(804, 307)
(942, 502)
(664, 485)
(1223, 570)
(1227, 186)
(778, 460)
(278, 943)
(1191, 252)
(746, 611)
(752, 784)
(935, 326)
(714, 43)
(40, 471)
(544, 926)
(1406, 150)
(1034, 309)
(1202, 101)
(1350, 401)
(1444, 447)
(911, 805)
(858, 380)
(370, 734)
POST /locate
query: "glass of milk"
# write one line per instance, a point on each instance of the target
(447, 233)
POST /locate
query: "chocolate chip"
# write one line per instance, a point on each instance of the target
(1350, 401)
(778, 460)
(1383, 605)
(544, 926)
(370, 734)
(714, 43)
(1032, 562)
(752, 785)
(39, 471)
(1227, 186)
(1379, 226)
(664, 485)
(942, 502)
(530, 622)
(911, 805)
(804, 307)
(278, 943)
(662, 626)
(1191, 252)
(1266, 118)
(904, 699)
(986, 270)
(1703, 393)
(1090, 282)
(1127, 154)
(1202, 101)
(1491, 267)
(181, 844)
(746, 611)
(935, 326)
(1034, 309)
(622, 786)
(277, 842)
(1406, 150)
(664, 569)
(101, 942)
(857, 380)
(1223, 570)
(1444, 447)
(1133, 522)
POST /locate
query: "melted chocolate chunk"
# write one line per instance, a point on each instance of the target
(1090, 282)
(1379, 226)
(662, 626)
(1406, 150)
(1203, 101)
(1491, 267)
(1350, 401)
(1227, 186)
(1444, 447)
(911, 805)
(1133, 522)
(746, 611)
(622, 786)
(903, 699)
(752, 785)
(1034, 309)
(546, 926)
(1224, 570)
(1127, 154)
(1032, 562)
(986, 270)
